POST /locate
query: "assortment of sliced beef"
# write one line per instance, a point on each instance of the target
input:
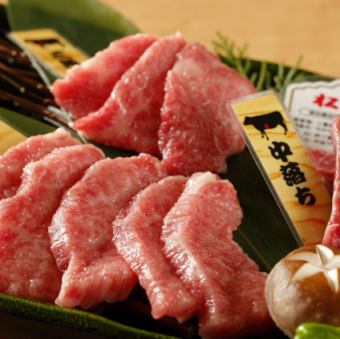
(82, 229)
(125, 221)
(79, 229)
(166, 97)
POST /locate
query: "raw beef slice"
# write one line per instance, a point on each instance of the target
(81, 231)
(27, 267)
(198, 240)
(324, 163)
(16, 158)
(332, 234)
(130, 118)
(137, 236)
(198, 130)
(86, 87)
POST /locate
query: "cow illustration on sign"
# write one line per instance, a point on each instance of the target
(56, 48)
(266, 121)
(44, 42)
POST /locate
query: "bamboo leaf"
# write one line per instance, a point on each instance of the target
(89, 24)
(23, 124)
(263, 234)
(85, 321)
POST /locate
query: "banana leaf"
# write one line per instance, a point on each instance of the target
(24, 124)
(88, 24)
(264, 234)
(67, 318)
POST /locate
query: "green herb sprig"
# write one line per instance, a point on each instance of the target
(264, 75)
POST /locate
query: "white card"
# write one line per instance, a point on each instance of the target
(313, 107)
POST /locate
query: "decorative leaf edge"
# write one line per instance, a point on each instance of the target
(123, 25)
(73, 318)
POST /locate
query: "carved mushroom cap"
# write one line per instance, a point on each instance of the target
(304, 287)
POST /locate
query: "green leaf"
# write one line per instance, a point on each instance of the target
(264, 233)
(317, 331)
(73, 318)
(264, 75)
(89, 24)
(23, 124)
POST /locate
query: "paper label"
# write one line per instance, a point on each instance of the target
(313, 107)
(282, 158)
(50, 48)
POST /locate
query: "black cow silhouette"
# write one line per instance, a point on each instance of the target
(43, 42)
(266, 121)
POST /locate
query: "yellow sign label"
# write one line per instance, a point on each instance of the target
(9, 137)
(272, 137)
(50, 48)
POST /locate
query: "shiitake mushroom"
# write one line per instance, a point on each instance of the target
(304, 287)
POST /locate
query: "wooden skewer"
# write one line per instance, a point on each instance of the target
(38, 87)
(18, 71)
(35, 109)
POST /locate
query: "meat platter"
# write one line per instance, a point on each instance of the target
(71, 205)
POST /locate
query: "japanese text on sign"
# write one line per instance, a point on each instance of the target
(284, 163)
(291, 172)
(50, 48)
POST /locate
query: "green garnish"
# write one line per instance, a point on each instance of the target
(317, 331)
(264, 75)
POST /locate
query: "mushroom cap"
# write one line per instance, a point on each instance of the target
(304, 287)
